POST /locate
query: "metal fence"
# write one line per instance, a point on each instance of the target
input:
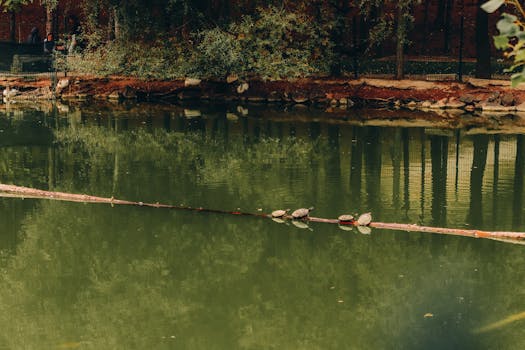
(27, 60)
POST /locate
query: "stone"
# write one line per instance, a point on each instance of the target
(242, 88)
(495, 107)
(508, 99)
(521, 107)
(441, 104)
(426, 104)
(192, 82)
(468, 99)
(454, 103)
(412, 104)
(470, 108)
(61, 85)
(274, 97)
(129, 93)
(494, 97)
(115, 95)
(300, 99)
(232, 78)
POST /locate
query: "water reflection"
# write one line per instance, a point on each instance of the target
(135, 278)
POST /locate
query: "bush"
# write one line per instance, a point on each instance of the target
(274, 43)
(217, 54)
(132, 59)
(281, 44)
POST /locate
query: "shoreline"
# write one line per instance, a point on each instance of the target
(448, 99)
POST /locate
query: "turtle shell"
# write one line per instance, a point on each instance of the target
(365, 219)
(278, 213)
(346, 218)
(301, 213)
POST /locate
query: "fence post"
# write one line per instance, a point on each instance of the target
(355, 47)
(461, 27)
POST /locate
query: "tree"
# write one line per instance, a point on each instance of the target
(395, 18)
(511, 36)
(12, 7)
(483, 69)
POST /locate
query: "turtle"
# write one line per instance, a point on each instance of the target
(364, 219)
(301, 213)
(346, 219)
(279, 213)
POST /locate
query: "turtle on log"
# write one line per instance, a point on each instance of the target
(346, 219)
(279, 213)
(302, 213)
(365, 219)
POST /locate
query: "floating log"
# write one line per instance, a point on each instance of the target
(26, 192)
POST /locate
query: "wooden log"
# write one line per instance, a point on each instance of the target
(26, 192)
(450, 231)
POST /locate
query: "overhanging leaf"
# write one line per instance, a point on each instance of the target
(517, 79)
(501, 42)
(492, 5)
(507, 25)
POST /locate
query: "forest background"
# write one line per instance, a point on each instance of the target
(215, 39)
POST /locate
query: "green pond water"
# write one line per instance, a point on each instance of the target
(92, 276)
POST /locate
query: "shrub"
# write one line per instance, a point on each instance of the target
(272, 44)
(277, 43)
(217, 54)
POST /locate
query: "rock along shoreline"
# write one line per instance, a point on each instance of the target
(332, 95)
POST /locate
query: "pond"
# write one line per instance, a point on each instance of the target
(93, 276)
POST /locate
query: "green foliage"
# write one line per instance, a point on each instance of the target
(132, 59)
(277, 43)
(13, 5)
(511, 38)
(217, 54)
(385, 25)
(274, 43)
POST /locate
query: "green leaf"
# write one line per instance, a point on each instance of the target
(507, 25)
(520, 56)
(517, 79)
(501, 42)
(492, 5)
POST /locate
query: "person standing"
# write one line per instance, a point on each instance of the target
(49, 43)
(34, 37)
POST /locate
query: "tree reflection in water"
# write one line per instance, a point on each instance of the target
(124, 278)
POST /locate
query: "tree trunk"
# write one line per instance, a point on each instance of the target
(12, 26)
(116, 23)
(400, 46)
(423, 47)
(50, 19)
(446, 27)
(483, 38)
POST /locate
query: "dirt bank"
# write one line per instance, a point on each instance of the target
(473, 95)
